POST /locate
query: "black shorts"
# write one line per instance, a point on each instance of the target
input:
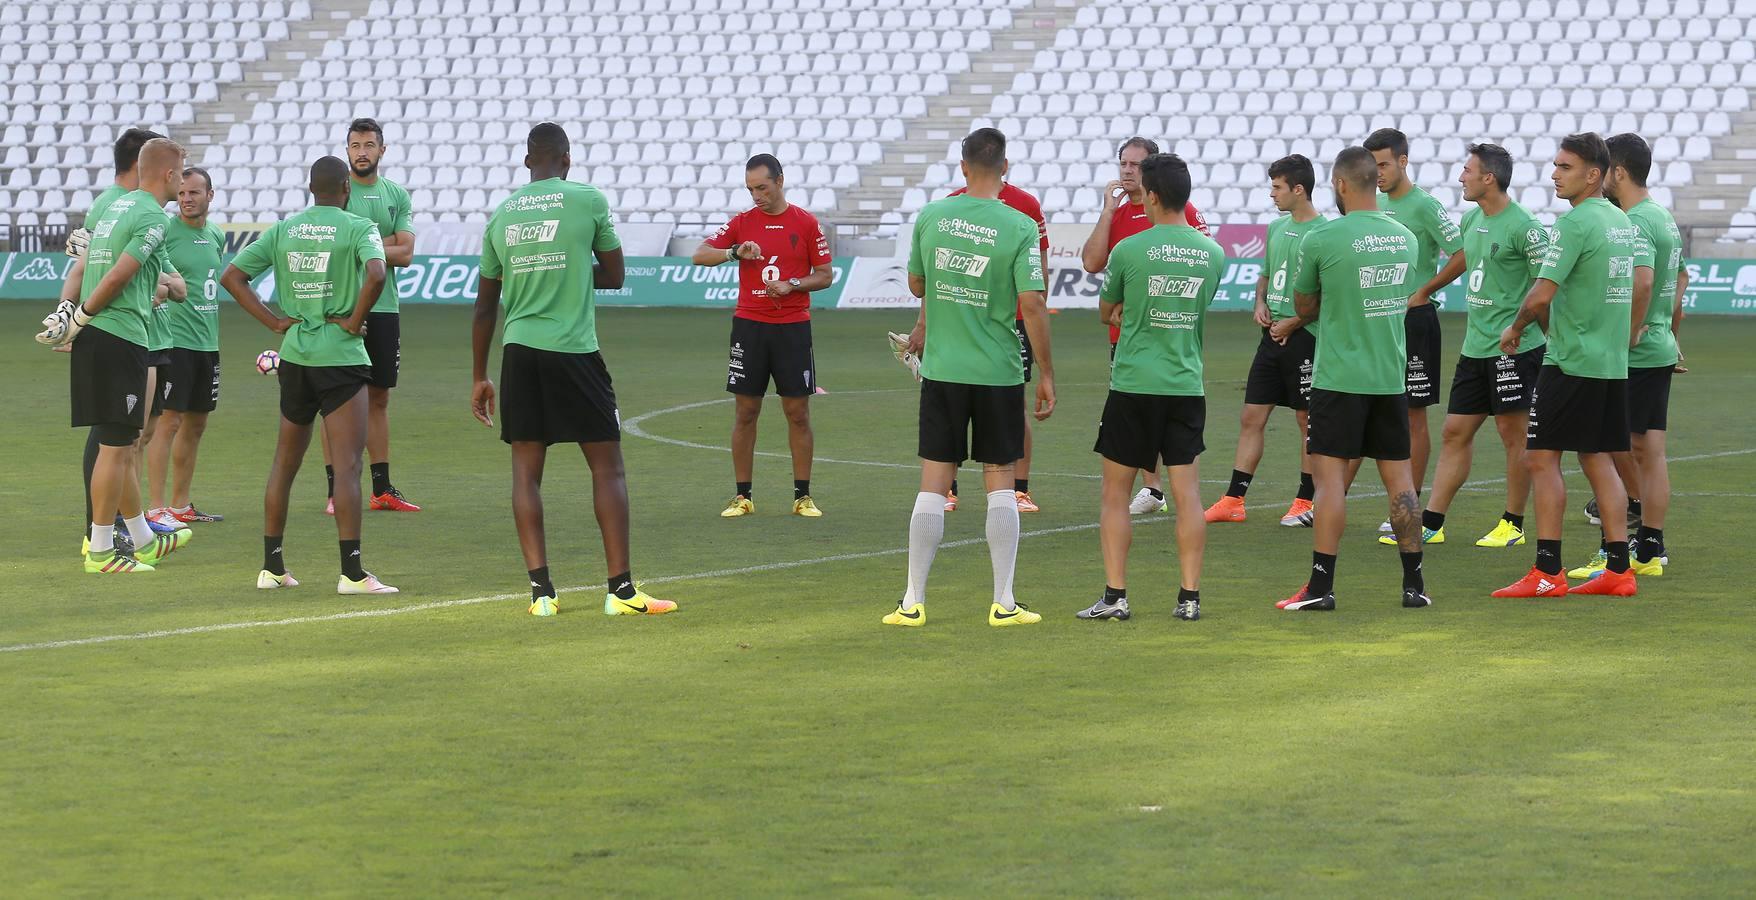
(195, 380)
(1494, 385)
(950, 411)
(1349, 426)
(108, 379)
(1589, 415)
(1281, 375)
(306, 391)
(1024, 352)
(777, 350)
(1140, 429)
(548, 397)
(163, 380)
(1421, 328)
(1649, 398)
(384, 345)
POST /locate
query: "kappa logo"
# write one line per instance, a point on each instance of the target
(532, 232)
(39, 269)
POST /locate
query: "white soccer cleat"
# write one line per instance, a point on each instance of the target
(1385, 527)
(1144, 502)
(268, 581)
(368, 585)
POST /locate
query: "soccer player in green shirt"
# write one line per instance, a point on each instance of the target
(109, 371)
(546, 248)
(328, 272)
(1503, 247)
(386, 205)
(1583, 295)
(1162, 281)
(1436, 236)
(1280, 374)
(194, 245)
(1353, 277)
(974, 263)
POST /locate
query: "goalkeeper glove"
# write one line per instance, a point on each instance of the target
(77, 240)
(899, 349)
(64, 324)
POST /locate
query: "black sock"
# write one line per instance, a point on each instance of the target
(272, 560)
(801, 488)
(1432, 521)
(350, 561)
(1111, 595)
(539, 583)
(953, 487)
(1322, 574)
(381, 478)
(1516, 520)
(329, 473)
(1307, 490)
(744, 490)
(1156, 493)
(1548, 557)
(1184, 595)
(1021, 485)
(91, 462)
(1649, 543)
(1633, 506)
(1240, 484)
(622, 585)
(1603, 545)
(1411, 573)
(1618, 551)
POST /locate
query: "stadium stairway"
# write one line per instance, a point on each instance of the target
(948, 118)
(1724, 186)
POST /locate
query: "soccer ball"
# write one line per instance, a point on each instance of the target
(268, 362)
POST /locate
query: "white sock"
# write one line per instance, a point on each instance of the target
(1003, 543)
(925, 528)
(182, 509)
(139, 532)
(103, 538)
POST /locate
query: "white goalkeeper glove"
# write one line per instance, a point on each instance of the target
(899, 349)
(63, 325)
(77, 240)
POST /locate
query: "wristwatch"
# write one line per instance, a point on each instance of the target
(732, 253)
(794, 282)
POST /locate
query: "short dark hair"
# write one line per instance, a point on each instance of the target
(1629, 150)
(1496, 161)
(365, 124)
(1590, 147)
(197, 170)
(1356, 167)
(329, 176)
(1147, 144)
(128, 147)
(1166, 176)
(764, 161)
(1387, 139)
(985, 148)
(547, 141)
(1296, 171)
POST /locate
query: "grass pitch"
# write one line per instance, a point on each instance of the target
(773, 738)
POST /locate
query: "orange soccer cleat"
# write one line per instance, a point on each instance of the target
(1535, 583)
(1227, 509)
(393, 500)
(1609, 584)
(1296, 597)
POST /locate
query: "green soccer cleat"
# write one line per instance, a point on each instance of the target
(110, 562)
(163, 545)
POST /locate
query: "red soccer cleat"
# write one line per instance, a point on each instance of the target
(1609, 584)
(1296, 597)
(1535, 583)
(392, 500)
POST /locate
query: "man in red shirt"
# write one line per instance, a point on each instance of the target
(1021, 200)
(1122, 219)
(782, 256)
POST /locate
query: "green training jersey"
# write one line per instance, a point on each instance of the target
(385, 204)
(102, 204)
(132, 224)
(1164, 278)
(195, 254)
(1362, 268)
(1503, 252)
(1435, 232)
(539, 244)
(319, 260)
(976, 256)
(1283, 249)
(1592, 252)
(1659, 238)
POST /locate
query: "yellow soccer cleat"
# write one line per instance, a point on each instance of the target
(911, 617)
(740, 506)
(163, 545)
(1001, 617)
(1598, 564)
(545, 606)
(110, 562)
(638, 605)
(1428, 536)
(268, 581)
(805, 506)
(1652, 568)
(1505, 534)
